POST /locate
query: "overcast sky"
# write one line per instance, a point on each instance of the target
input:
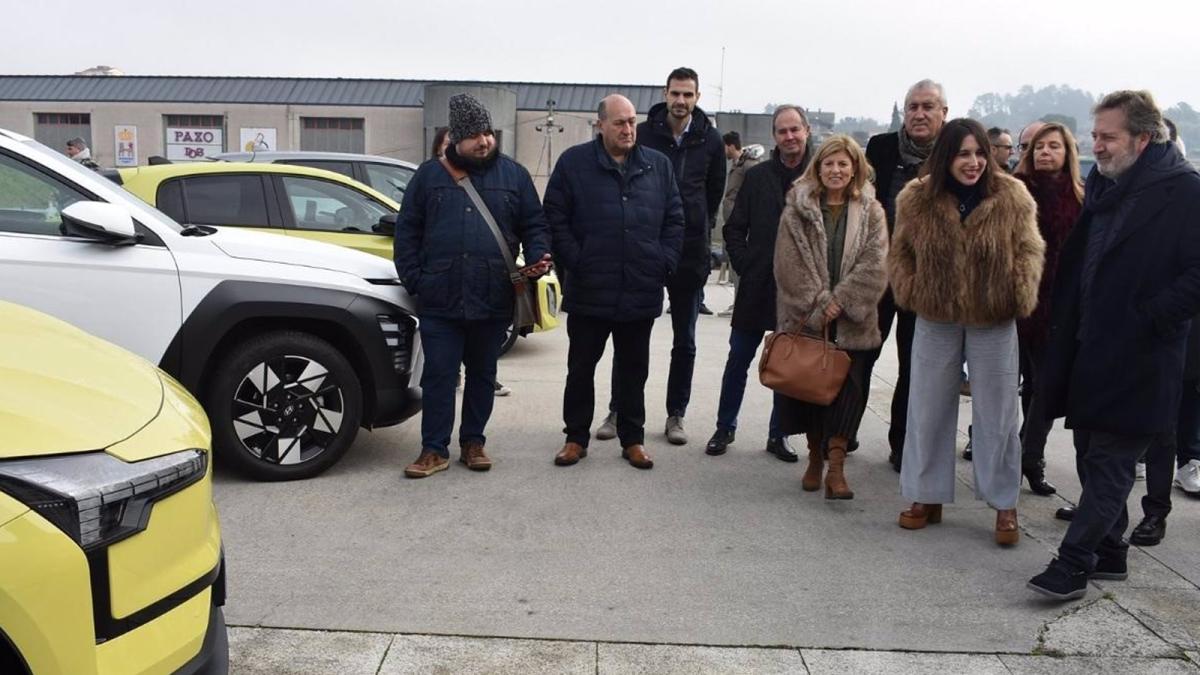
(853, 57)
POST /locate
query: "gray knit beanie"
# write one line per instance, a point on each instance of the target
(468, 117)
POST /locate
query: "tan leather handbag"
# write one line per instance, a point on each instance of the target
(803, 367)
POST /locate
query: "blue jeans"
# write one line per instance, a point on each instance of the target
(685, 310)
(449, 343)
(743, 344)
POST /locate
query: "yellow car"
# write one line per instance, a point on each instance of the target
(291, 200)
(110, 549)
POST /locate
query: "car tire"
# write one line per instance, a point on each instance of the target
(284, 405)
(510, 339)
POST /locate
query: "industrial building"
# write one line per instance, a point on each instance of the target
(127, 119)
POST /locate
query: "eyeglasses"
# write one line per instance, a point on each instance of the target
(1003, 147)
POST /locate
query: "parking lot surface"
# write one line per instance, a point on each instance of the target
(718, 562)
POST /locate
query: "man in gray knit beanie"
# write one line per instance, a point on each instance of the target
(468, 118)
(448, 258)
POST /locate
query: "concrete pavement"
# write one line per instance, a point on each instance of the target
(701, 565)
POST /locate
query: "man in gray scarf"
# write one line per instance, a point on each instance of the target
(896, 158)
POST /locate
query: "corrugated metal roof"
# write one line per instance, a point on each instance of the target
(298, 91)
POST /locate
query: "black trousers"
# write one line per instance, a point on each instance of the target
(631, 364)
(1105, 463)
(1035, 425)
(1166, 453)
(906, 324)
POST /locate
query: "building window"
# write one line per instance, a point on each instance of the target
(193, 137)
(55, 129)
(332, 134)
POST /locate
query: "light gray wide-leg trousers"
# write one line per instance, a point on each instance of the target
(927, 472)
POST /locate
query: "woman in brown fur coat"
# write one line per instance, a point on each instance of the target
(830, 257)
(966, 257)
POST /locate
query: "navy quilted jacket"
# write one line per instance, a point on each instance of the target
(617, 237)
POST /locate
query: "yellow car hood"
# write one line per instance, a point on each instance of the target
(63, 390)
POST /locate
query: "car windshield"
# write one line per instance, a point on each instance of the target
(389, 179)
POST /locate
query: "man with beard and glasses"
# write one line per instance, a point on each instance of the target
(896, 158)
(1127, 287)
(617, 222)
(449, 259)
(680, 130)
(750, 231)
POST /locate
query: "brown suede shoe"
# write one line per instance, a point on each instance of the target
(427, 464)
(474, 456)
(570, 454)
(636, 454)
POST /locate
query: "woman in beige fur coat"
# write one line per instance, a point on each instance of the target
(966, 257)
(830, 258)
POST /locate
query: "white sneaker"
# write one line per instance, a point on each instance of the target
(1187, 478)
(1139, 473)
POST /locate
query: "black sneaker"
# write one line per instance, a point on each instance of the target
(780, 448)
(1066, 513)
(719, 442)
(1111, 569)
(1060, 581)
(705, 310)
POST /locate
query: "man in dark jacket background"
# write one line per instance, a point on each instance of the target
(750, 231)
(680, 130)
(896, 158)
(617, 222)
(447, 256)
(1128, 284)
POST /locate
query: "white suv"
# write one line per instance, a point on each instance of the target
(291, 345)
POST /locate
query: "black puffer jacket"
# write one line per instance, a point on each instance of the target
(699, 164)
(618, 237)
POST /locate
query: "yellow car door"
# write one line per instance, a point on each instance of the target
(324, 210)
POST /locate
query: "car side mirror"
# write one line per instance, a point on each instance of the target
(99, 221)
(386, 225)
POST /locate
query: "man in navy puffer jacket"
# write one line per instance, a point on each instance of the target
(447, 256)
(617, 223)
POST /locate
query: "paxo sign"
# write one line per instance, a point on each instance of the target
(194, 143)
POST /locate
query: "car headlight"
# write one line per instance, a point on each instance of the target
(96, 498)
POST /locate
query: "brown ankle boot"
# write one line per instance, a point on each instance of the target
(812, 473)
(835, 478)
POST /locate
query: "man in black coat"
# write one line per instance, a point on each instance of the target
(750, 234)
(896, 158)
(682, 132)
(617, 224)
(1128, 284)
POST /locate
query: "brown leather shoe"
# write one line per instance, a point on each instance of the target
(636, 454)
(1007, 533)
(918, 515)
(474, 456)
(570, 454)
(426, 465)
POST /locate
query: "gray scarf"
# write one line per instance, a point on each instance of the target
(910, 152)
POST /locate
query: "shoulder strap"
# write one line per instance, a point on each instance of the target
(463, 179)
